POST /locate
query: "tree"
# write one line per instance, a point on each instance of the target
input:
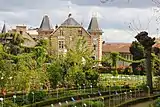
(70, 68)
(12, 42)
(147, 42)
(27, 68)
(55, 73)
(137, 50)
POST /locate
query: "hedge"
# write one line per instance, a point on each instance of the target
(63, 99)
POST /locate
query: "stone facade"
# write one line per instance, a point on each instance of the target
(64, 38)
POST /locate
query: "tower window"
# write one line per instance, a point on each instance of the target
(94, 47)
(61, 44)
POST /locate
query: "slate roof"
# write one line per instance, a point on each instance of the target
(45, 24)
(4, 29)
(116, 47)
(70, 22)
(28, 41)
(93, 25)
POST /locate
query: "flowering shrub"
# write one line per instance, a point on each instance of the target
(139, 70)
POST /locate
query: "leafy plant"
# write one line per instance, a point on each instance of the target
(35, 96)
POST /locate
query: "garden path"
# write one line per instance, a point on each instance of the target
(144, 104)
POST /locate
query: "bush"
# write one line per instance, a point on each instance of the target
(35, 96)
(8, 103)
(157, 102)
(120, 69)
(21, 100)
(98, 104)
(128, 70)
(92, 76)
(89, 103)
(92, 104)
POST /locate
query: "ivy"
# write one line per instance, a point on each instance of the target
(155, 58)
(16, 57)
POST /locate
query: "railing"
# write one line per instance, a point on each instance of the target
(113, 100)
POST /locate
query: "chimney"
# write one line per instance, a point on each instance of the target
(21, 29)
(56, 26)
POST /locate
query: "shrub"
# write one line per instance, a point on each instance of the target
(92, 76)
(98, 104)
(120, 69)
(157, 102)
(128, 70)
(8, 103)
(114, 72)
(89, 103)
(35, 96)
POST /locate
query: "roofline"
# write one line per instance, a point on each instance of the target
(70, 27)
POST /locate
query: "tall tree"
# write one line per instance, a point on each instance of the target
(147, 42)
(12, 42)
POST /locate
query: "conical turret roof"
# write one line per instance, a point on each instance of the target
(45, 24)
(70, 22)
(93, 25)
(4, 29)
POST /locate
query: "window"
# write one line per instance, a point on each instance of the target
(94, 47)
(21, 32)
(61, 44)
(80, 32)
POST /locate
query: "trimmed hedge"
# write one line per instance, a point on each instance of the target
(77, 97)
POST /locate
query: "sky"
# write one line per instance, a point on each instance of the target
(120, 20)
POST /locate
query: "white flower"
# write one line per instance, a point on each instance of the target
(1, 99)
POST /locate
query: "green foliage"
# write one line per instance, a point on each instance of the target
(92, 76)
(13, 45)
(6, 72)
(22, 71)
(98, 104)
(156, 63)
(114, 57)
(21, 100)
(55, 73)
(157, 102)
(76, 75)
(43, 43)
(157, 82)
(40, 55)
(93, 103)
(128, 70)
(8, 103)
(137, 50)
(36, 96)
(105, 60)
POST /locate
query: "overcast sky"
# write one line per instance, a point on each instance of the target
(119, 19)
